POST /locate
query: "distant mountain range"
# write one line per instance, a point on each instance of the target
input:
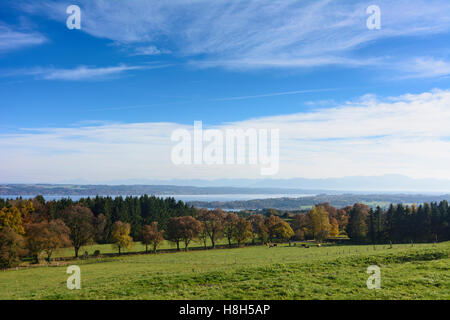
(387, 184)
(364, 184)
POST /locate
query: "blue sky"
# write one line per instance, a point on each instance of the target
(221, 62)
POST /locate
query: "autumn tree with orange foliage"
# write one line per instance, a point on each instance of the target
(212, 222)
(152, 236)
(46, 237)
(259, 229)
(183, 229)
(11, 248)
(242, 230)
(334, 231)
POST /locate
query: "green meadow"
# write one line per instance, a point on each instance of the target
(283, 272)
(138, 247)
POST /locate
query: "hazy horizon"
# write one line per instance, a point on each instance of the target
(359, 184)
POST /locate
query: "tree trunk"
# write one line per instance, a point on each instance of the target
(119, 250)
(178, 245)
(76, 251)
(146, 248)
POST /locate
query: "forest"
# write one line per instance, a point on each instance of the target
(337, 200)
(35, 228)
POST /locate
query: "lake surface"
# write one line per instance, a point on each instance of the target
(185, 198)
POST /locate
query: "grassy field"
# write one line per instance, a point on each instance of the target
(335, 272)
(137, 248)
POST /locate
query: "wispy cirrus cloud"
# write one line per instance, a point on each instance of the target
(79, 73)
(425, 67)
(272, 94)
(149, 51)
(12, 39)
(255, 33)
(406, 135)
(83, 73)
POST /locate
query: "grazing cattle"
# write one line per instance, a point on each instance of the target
(319, 245)
(270, 245)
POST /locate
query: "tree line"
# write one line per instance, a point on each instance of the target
(427, 222)
(36, 228)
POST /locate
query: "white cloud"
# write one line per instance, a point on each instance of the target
(11, 39)
(321, 103)
(83, 72)
(256, 33)
(79, 73)
(426, 67)
(406, 135)
(149, 51)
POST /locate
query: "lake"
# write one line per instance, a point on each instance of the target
(184, 198)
